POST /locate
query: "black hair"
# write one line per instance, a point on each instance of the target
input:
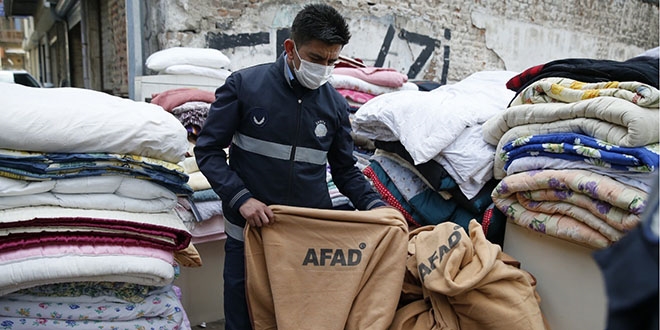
(320, 22)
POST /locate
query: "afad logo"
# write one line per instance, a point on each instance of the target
(436, 257)
(334, 257)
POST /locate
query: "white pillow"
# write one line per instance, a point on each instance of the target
(206, 57)
(197, 70)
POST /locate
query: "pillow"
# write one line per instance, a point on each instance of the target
(206, 57)
(197, 70)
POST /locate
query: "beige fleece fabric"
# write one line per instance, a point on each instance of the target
(470, 283)
(326, 269)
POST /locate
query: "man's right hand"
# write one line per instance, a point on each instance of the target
(256, 213)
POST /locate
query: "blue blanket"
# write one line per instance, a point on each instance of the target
(573, 146)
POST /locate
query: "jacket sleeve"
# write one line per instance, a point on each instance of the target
(347, 177)
(217, 133)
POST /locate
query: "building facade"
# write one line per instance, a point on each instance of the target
(102, 44)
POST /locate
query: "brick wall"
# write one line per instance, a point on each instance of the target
(434, 40)
(113, 36)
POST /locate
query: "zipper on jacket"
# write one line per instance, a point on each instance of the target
(293, 149)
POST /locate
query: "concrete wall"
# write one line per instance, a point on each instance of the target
(433, 40)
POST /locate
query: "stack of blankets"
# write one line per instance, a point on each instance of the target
(201, 211)
(360, 83)
(189, 105)
(431, 160)
(577, 148)
(88, 232)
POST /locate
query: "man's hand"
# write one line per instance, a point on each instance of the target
(256, 213)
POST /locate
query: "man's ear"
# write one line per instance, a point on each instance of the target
(288, 47)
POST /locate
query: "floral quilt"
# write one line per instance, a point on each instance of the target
(575, 205)
(70, 306)
(580, 147)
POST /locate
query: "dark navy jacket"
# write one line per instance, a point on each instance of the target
(282, 137)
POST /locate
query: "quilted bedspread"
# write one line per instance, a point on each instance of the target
(622, 114)
(576, 205)
(48, 244)
(580, 147)
(50, 307)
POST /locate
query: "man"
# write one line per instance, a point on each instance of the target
(284, 124)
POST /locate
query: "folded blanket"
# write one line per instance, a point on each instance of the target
(164, 228)
(101, 192)
(25, 273)
(160, 309)
(576, 205)
(642, 180)
(197, 70)
(87, 292)
(619, 121)
(342, 81)
(173, 98)
(36, 166)
(355, 96)
(379, 76)
(566, 90)
(100, 249)
(642, 69)
(580, 147)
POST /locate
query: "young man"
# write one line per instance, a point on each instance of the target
(284, 124)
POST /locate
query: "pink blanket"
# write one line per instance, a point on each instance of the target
(355, 96)
(173, 98)
(85, 249)
(378, 76)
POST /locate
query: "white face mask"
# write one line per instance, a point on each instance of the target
(311, 75)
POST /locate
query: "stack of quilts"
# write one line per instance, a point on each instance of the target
(88, 232)
(577, 148)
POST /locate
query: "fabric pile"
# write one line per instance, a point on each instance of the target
(205, 62)
(457, 279)
(89, 236)
(201, 211)
(189, 105)
(364, 269)
(360, 83)
(435, 175)
(577, 148)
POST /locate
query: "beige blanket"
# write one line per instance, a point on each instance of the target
(465, 283)
(325, 269)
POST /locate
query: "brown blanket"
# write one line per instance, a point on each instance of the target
(326, 269)
(466, 283)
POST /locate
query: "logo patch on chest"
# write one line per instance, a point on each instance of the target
(320, 130)
(258, 117)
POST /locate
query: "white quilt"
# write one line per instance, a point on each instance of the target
(167, 219)
(427, 122)
(93, 192)
(76, 120)
(443, 125)
(26, 273)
